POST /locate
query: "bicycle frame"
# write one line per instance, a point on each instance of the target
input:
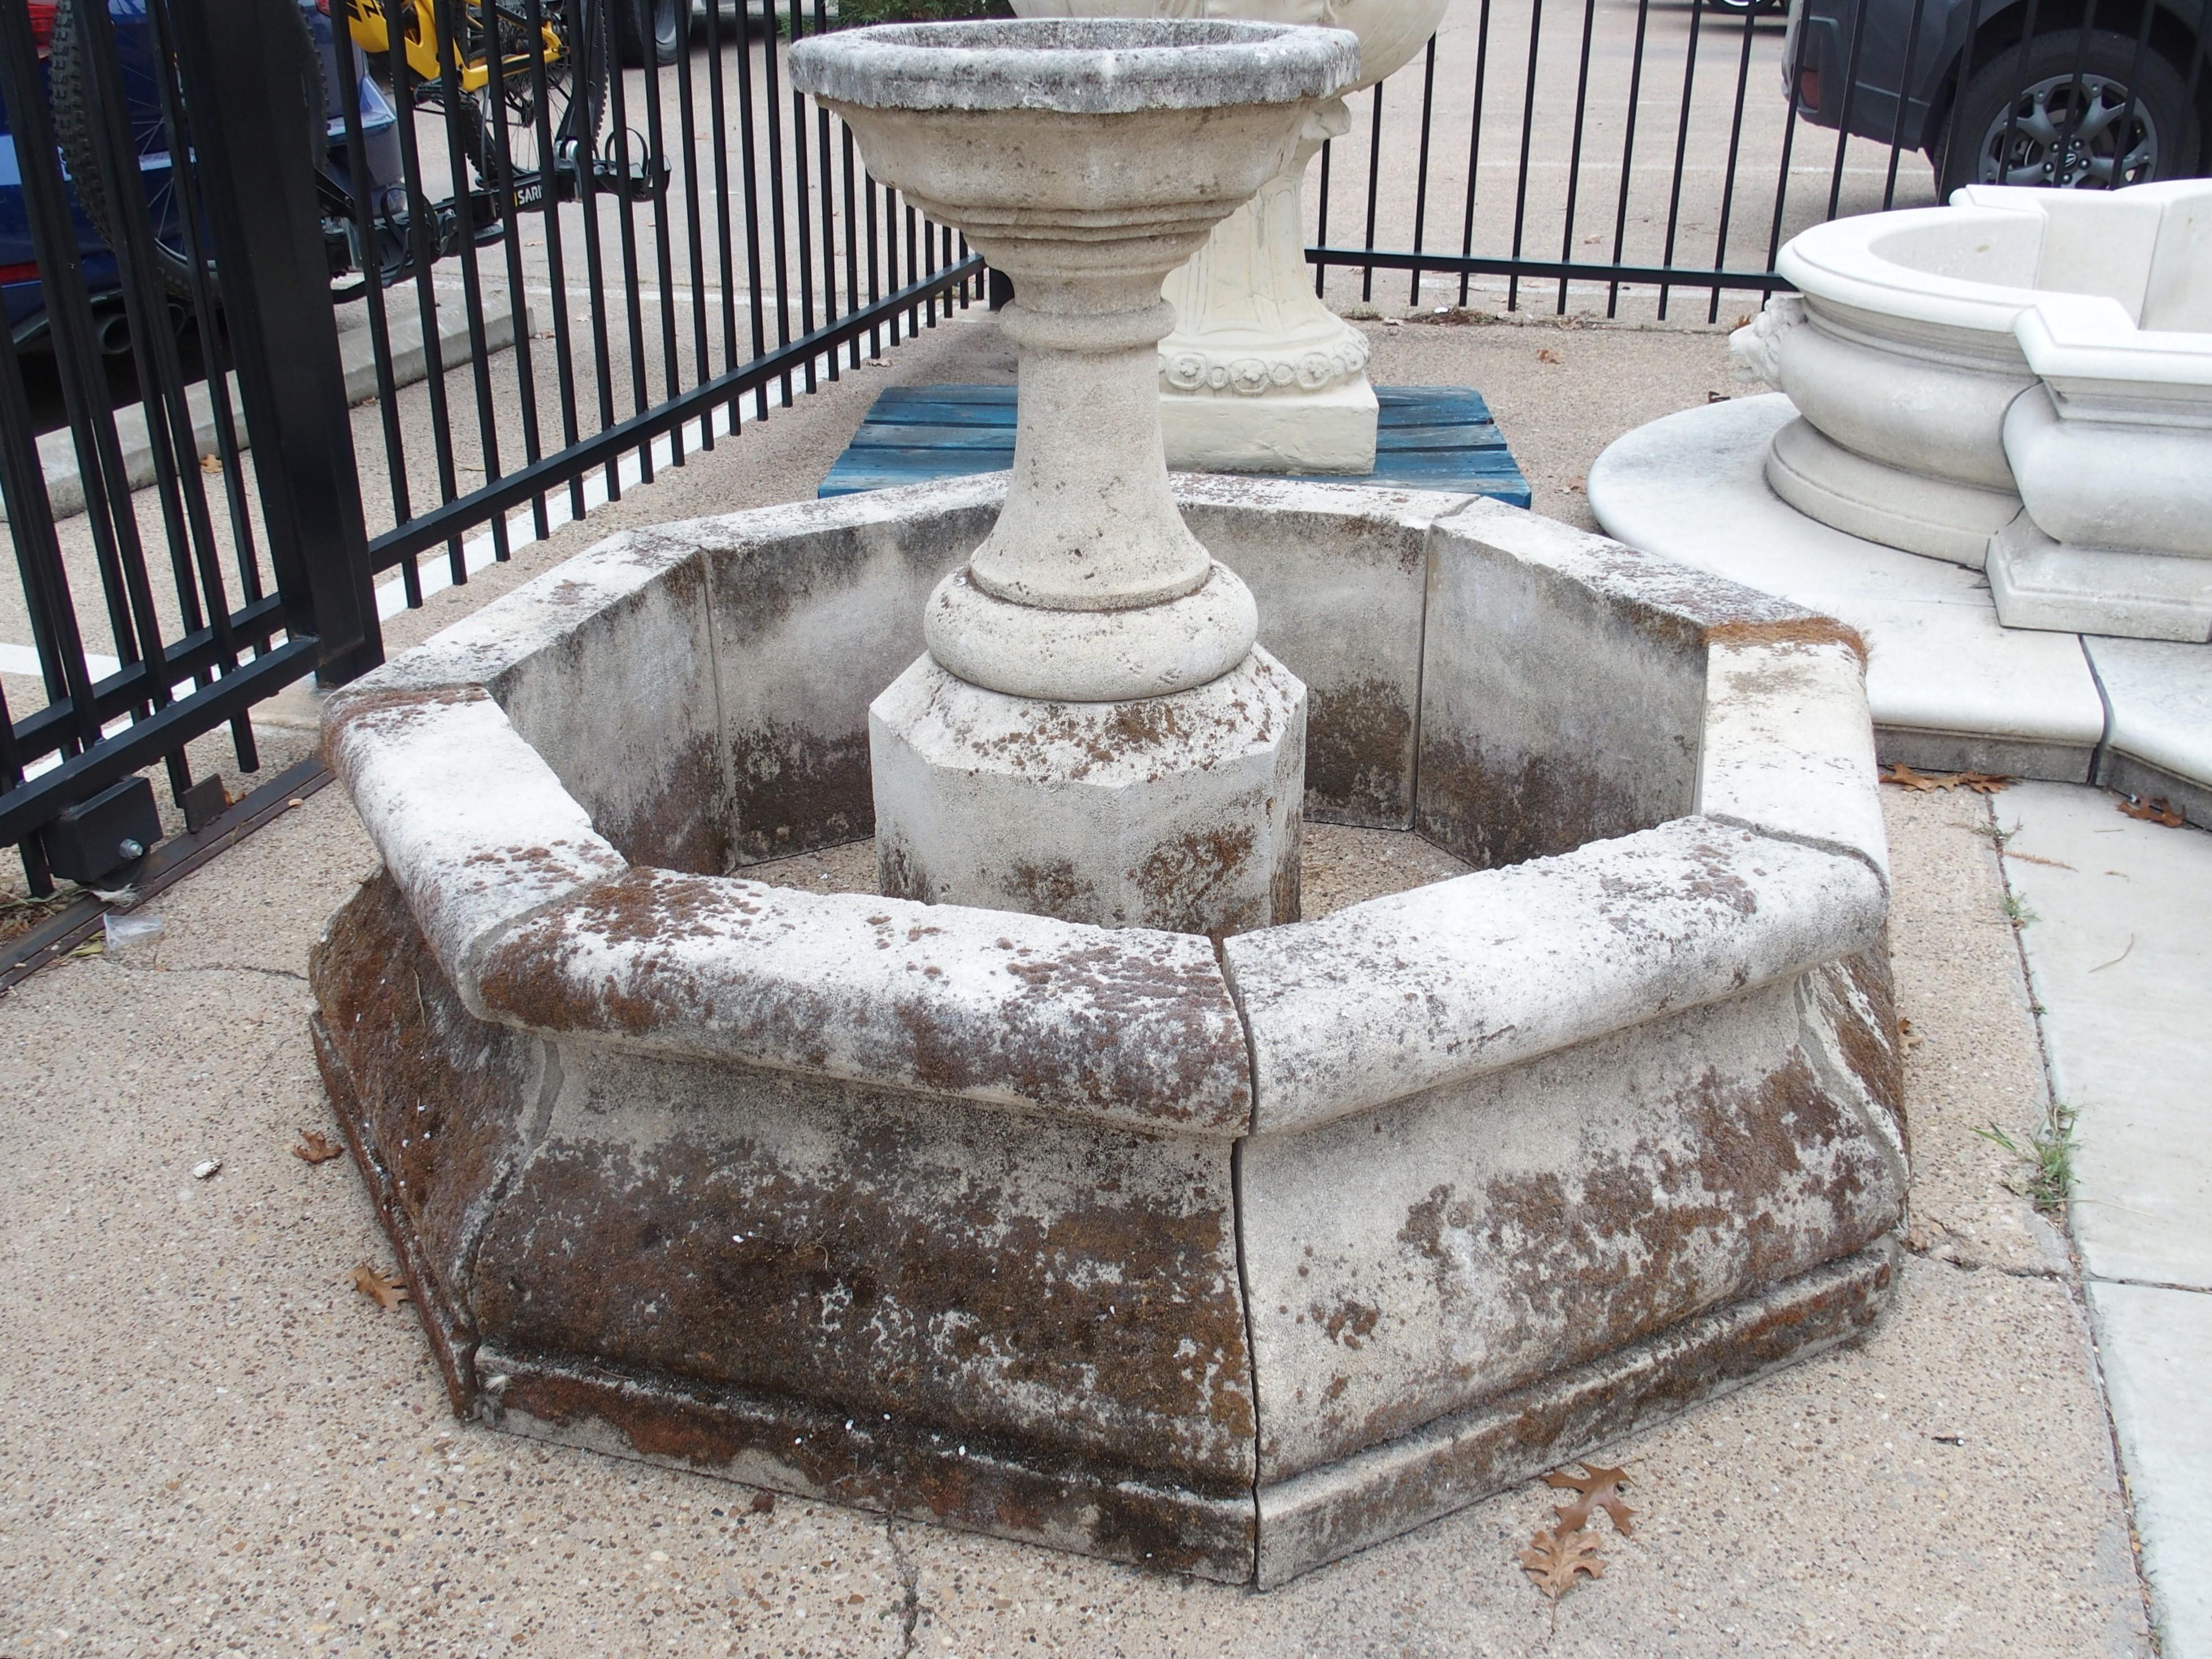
(370, 27)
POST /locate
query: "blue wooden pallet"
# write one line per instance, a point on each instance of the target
(1427, 437)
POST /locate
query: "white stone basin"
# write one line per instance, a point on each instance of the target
(2046, 346)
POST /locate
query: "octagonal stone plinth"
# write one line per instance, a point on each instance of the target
(1224, 1258)
(1180, 813)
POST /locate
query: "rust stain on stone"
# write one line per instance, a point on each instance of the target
(1802, 629)
(1360, 753)
(1496, 810)
(902, 1275)
(796, 790)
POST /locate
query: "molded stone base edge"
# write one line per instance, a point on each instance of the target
(2139, 778)
(2039, 582)
(452, 1342)
(1861, 497)
(1324, 433)
(1326, 1513)
(1927, 751)
(968, 1482)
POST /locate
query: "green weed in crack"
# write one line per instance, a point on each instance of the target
(2047, 1159)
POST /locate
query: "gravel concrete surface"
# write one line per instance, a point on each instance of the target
(216, 1445)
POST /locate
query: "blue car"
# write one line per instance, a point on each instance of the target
(64, 67)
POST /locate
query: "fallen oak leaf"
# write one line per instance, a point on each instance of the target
(315, 1148)
(1548, 356)
(1984, 783)
(1898, 772)
(1596, 1488)
(1553, 1560)
(387, 1293)
(2157, 810)
(1906, 1036)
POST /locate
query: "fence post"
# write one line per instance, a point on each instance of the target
(248, 109)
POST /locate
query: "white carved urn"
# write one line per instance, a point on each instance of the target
(1259, 375)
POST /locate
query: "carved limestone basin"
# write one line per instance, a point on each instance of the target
(1227, 1259)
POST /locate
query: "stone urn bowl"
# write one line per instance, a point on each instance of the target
(1260, 375)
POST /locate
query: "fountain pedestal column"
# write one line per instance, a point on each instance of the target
(1094, 733)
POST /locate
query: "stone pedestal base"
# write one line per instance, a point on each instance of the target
(1180, 813)
(1939, 517)
(2039, 582)
(1329, 431)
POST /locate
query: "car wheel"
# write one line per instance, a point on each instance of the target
(649, 31)
(2073, 110)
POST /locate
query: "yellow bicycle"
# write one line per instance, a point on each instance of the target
(528, 77)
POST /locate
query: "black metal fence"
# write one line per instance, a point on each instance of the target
(437, 278)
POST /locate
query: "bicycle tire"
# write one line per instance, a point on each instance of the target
(575, 109)
(70, 78)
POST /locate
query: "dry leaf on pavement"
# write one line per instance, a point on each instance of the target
(315, 1148)
(2157, 810)
(1982, 783)
(1548, 356)
(1595, 1488)
(388, 1293)
(1553, 1559)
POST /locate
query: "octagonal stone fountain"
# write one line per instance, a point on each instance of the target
(1227, 1246)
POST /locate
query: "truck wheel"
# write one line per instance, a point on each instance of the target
(2060, 112)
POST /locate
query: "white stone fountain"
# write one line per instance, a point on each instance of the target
(2020, 382)
(1259, 375)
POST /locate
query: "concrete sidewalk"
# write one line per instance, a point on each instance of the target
(2119, 953)
(216, 1444)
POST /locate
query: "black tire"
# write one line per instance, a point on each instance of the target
(70, 81)
(2048, 113)
(576, 103)
(657, 28)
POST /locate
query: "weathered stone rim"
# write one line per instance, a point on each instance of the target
(1076, 66)
(407, 754)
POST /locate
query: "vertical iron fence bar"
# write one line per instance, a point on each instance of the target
(801, 190)
(1421, 171)
(912, 265)
(875, 272)
(687, 105)
(656, 158)
(582, 57)
(1575, 149)
(1797, 68)
(2075, 86)
(1682, 145)
(852, 232)
(2127, 115)
(1475, 146)
(772, 99)
(640, 397)
(1321, 230)
(208, 565)
(423, 253)
(1527, 132)
(825, 176)
(580, 14)
(510, 213)
(37, 879)
(1904, 97)
(54, 632)
(1727, 181)
(380, 328)
(277, 290)
(453, 97)
(205, 318)
(1850, 88)
(1374, 176)
(749, 165)
(118, 548)
(718, 119)
(1628, 152)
